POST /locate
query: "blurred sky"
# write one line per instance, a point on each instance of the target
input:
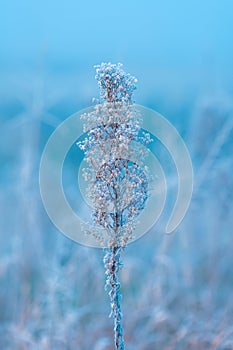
(181, 35)
(180, 51)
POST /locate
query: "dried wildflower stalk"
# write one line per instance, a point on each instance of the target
(117, 180)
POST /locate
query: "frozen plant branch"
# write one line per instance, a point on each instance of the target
(117, 188)
(112, 263)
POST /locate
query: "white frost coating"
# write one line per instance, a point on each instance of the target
(67, 133)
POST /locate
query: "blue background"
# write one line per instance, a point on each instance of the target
(177, 289)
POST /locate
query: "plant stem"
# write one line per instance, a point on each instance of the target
(113, 264)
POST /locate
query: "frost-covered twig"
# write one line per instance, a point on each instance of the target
(112, 263)
(117, 183)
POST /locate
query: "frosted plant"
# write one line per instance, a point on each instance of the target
(117, 187)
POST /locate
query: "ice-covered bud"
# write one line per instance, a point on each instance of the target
(115, 85)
